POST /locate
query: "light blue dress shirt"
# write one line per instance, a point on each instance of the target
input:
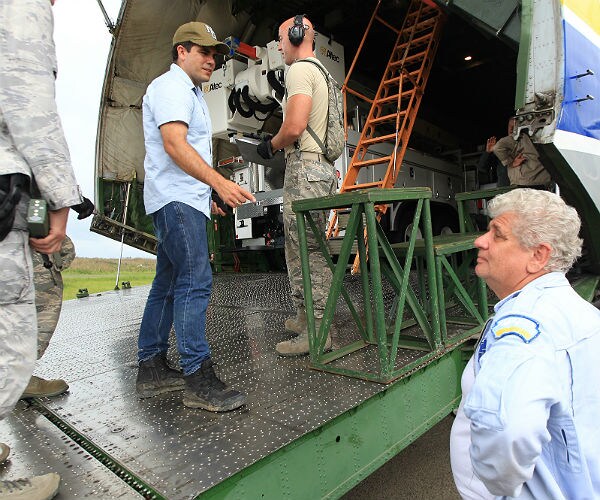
(172, 97)
(535, 404)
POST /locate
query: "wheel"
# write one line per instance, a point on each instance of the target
(404, 225)
(444, 220)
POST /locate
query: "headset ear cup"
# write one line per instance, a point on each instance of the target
(296, 35)
(296, 31)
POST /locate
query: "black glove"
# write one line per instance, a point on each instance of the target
(264, 149)
(84, 209)
(220, 203)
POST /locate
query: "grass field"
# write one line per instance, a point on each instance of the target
(99, 275)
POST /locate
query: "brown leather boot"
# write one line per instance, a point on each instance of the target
(297, 324)
(42, 388)
(298, 346)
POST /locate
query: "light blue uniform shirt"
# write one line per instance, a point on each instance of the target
(172, 97)
(535, 403)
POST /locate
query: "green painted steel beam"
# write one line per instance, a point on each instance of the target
(375, 196)
(332, 459)
(524, 53)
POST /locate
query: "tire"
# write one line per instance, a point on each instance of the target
(404, 223)
(444, 220)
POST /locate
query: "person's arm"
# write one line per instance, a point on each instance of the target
(295, 121)
(518, 160)
(29, 108)
(506, 150)
(174, 136)
(509, 407)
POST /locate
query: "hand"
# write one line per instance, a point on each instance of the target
(218, 207)
(489, 146)
(85, 208)
(232, 194)
(264, 149)
(56, 234)
(518, 161)
(216, 210)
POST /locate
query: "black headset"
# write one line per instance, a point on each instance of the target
(297, 30)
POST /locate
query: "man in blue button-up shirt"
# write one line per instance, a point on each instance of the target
(177, 193)
(530, 391)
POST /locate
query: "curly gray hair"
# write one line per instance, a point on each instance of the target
(543, 217)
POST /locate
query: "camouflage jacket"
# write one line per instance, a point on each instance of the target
(31, 136)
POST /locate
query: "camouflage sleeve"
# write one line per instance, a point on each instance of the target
(27, 102)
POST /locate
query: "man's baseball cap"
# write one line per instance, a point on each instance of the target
(200, 34)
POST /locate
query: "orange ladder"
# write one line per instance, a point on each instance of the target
(396, 103)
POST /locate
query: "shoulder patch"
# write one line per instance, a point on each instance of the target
(523, 327)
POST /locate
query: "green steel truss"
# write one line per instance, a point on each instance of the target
(375, 326)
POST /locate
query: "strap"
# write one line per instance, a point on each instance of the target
(314, 135)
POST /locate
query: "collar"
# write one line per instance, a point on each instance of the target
(184, 77)
(548, 280)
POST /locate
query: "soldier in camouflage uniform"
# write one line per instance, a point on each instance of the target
(48, 285)
(32, 143)
(308, 173)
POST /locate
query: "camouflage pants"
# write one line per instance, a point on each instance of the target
(49, 291)
(18, 333)
(306, 179)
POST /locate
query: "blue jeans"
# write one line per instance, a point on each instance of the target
(181, 288)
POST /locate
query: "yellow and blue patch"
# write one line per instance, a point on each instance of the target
(521, 326)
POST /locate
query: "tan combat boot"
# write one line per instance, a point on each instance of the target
(33, 488)
(298, 323)
(42, 388)
(298, 346)
(4, 452)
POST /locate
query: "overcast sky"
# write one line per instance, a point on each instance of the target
(82, 44)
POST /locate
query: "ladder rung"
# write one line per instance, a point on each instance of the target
(384, 100)
(422, 40)
(365, 185)
(399, 64)
(392, 98)
(370, 163)
(425, 11)
(414, 57)
(396, 81)
(377, 140)
(423, 23)
(385, 118)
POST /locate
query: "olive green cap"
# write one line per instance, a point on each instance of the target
(200, 34)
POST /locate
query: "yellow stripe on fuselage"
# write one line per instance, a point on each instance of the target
(586, 10)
